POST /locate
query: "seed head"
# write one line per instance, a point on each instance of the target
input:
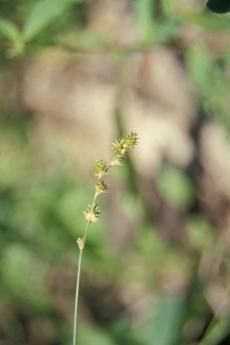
(92, 213)
(101, 187)
(122, 146)
(101, 169)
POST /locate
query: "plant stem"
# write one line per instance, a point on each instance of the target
(79, 276)
(120, 149)
(76, 298)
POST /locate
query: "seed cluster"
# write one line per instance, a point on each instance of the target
(120, 150)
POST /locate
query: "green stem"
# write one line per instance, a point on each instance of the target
(87, 225)
(76, 298)
(79, 276)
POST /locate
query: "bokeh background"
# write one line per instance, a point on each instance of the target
(74, 75)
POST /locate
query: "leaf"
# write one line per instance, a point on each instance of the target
(9, 30)
(218, 330)
(166, 30)
(94, 336)
(164, 325)
(208, 21)
(219, 6)
(42, 14)
(24, 275)
(144, 10)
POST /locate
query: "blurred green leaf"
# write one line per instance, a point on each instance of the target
(13, 35)
(166, 30)
(216, 332)
(123, 334)
(164, 325)
(144, 10)
(200, 232)
(210, 22)
(9, 30)
(210, 82)
(132, 206)
(175, 187)
(70, 208)
(200, 67)
(43, 13)
(13, 167)
(94, 336)
(24, 275)
(85, 39)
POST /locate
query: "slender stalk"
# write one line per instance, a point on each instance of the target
(81, 249)
(76, 298)
(87, 225)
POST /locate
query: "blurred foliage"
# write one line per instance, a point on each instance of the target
(211, 82)
(175, 187)
(41, 205)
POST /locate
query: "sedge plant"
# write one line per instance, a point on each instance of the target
(120, 149)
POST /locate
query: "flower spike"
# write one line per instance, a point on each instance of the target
(122, 146)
